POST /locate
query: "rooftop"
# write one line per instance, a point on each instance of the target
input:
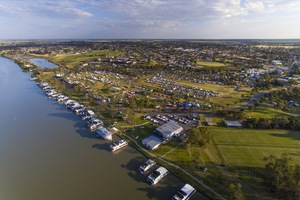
(167, 129)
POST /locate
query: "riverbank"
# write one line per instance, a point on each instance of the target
(48, 153)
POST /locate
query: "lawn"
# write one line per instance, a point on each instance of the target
(248, 147)
(141, 132)
(266, 112)
(210, 64)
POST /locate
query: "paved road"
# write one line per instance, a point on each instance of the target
(254, 99)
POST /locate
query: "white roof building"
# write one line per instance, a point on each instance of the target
(233, 124)
(169, 129)
(152, 142)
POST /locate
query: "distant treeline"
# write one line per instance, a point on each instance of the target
(273, 123)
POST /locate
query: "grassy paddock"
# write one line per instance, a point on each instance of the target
(267, 112)
(210, 64)
(248, 147)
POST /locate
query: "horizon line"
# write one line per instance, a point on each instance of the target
(152, 39)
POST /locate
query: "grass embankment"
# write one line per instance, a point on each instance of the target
(71, 60)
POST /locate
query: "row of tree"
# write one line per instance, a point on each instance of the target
(198, 136)
(273, 123)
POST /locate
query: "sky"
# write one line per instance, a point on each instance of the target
(150, 19)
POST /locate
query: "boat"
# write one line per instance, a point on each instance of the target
(156, 176)
(146, 166)
(94, 123)
(104, 133)
(62, 99)
(117, 145)
(184, 193)
(69, 102)
(88, 114)
(51, 92)
(43, 84)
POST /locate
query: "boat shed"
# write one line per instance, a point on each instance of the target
(233, 124)
(152, 142)
(169, 129)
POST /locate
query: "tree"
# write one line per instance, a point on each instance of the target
(236, 192)
(189, 148)
(281, 177)
(132, 103)
(293, 82)
(129, 116)
(199, 136)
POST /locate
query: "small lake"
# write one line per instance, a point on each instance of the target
(42, 63)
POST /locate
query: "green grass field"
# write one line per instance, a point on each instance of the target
(247, 147)
(210, 64)
(266, 112)
(74, 59)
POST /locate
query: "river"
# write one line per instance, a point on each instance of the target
(46, 151)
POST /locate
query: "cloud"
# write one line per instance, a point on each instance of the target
(59, 8)
(43, 8)
(176, 9)
(150, 18)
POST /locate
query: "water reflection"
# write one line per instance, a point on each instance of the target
(42, 63)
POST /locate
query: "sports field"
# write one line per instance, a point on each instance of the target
(248, 147)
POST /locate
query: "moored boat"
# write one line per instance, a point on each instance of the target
(146, 166)
(117, 145)
(88, 114)
(94, 123)
(156, 176)
(104, 133)
(184, 193)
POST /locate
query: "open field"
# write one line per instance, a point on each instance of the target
(267, 112)
(248, 147)
(71, 60)
(229, 95)
(210, 64)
